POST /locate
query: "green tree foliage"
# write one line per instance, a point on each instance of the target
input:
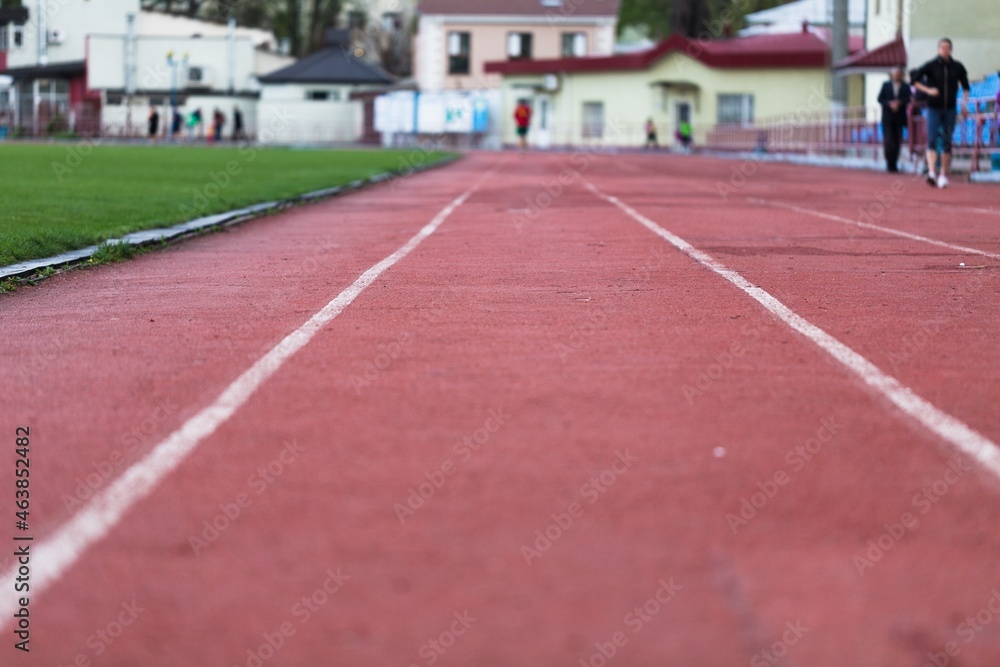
(658, 19)
(302, 22)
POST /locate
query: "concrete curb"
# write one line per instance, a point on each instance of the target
(218, 220)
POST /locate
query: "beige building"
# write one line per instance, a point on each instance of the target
(609, 99)
(972, 25)
(456, 38)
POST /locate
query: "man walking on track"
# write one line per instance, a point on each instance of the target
(940, 79)
(894, 98)
(522, 118)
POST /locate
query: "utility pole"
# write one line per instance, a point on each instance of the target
(839, 51)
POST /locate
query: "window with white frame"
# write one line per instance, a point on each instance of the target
(17, 41)
(734, 109)
(459, 48)
(519, 45)
(593, 120)
(574, 44)
(4, 41)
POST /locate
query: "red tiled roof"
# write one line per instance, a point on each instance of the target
(891, 54)
(798, 49)
(569, 8)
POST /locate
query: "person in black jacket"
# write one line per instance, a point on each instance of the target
(894, 98)
(940, 79)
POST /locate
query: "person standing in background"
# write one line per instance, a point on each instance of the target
(237, 124)
(522, 118)
(154, 123)
(894, 98)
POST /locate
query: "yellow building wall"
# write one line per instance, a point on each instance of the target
(630, 98)
(972, 25)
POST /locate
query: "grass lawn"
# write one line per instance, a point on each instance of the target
(55, 198)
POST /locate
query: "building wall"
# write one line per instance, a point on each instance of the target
(106, 69)
(630, 98)
(489, 43)
(973, 26)
(75, 19)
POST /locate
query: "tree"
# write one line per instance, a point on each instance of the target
(693, 18)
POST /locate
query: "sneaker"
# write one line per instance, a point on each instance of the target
(931, 179)
(942, 181)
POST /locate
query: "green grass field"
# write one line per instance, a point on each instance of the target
(55, 198)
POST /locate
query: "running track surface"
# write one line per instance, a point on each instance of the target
(716, 489)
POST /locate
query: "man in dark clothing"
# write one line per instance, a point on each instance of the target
(939, 79)
(894, 98)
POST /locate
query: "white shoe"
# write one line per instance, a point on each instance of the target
(931, 178)
(942, 181)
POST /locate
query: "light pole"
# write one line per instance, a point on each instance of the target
(172, 63)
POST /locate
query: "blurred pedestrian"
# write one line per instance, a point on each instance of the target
(522, 118)
(894, 98)
(194, 123)
(175, 124)
(651, 140)
(154, 123)
(940, 79)
(237, 124)
(218, 122)
(685, 135)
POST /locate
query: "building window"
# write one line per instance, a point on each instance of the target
(4, 44)
(18, 40)
(392, 22)
(735, 109)
(459, 47)
(574, 44)
(317, 95)
(593, 120)
(519, 45)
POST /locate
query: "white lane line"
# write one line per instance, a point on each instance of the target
(59, 551)
(952, 430)
(867, 225)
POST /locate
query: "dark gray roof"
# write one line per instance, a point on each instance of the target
(18, 15)
(66, 70)
(334, 64)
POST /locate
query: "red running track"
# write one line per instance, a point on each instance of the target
(716, 488)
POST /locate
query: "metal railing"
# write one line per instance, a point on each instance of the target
(857, 132)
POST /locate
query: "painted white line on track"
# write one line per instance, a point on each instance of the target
(951, 429)
(58, 552)
(965, 250)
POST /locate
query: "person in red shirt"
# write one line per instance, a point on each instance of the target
(522, 118)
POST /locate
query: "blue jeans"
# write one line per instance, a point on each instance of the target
(940, 125)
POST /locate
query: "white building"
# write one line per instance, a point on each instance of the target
(321, 98)
(79, 66)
